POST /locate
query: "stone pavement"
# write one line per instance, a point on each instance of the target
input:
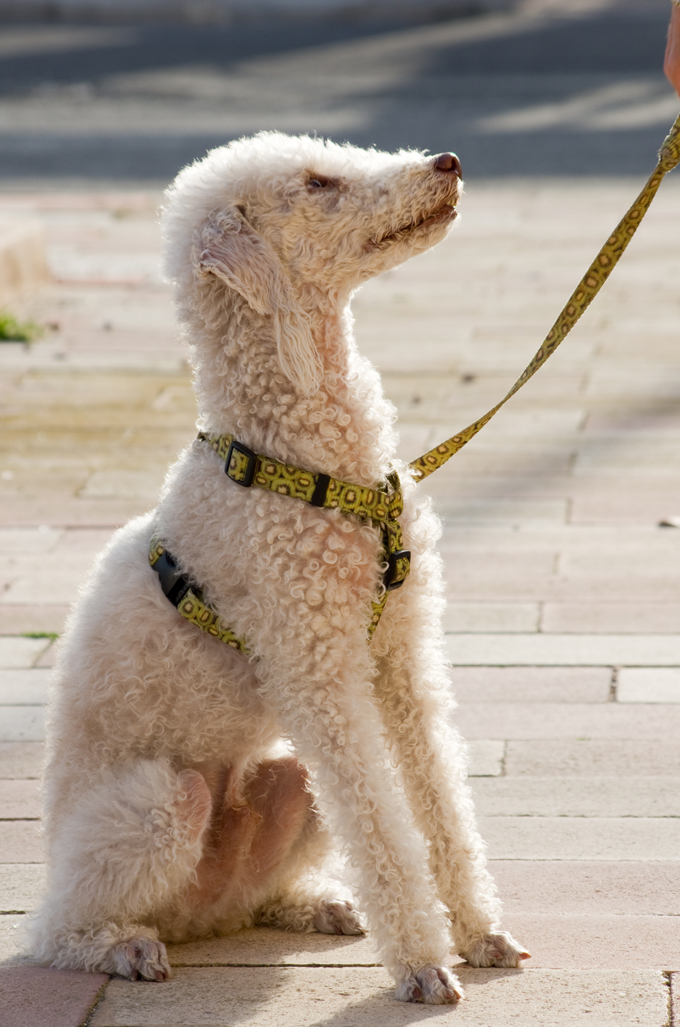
(563, 596)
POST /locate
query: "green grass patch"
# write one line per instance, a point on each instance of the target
(52, 635)
(13, 330)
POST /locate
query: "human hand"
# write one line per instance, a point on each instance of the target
(671, 65)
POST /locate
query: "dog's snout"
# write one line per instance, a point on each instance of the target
(449, 162)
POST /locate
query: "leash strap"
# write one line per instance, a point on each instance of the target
(585, 292)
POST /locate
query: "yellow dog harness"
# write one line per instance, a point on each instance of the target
(382, 506)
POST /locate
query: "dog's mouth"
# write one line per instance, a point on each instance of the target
(446, 212)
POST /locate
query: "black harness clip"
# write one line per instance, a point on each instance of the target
(245, 475)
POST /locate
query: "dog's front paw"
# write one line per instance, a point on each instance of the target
(337, 917)
(433, 985)
(141, 957)
(498, 949)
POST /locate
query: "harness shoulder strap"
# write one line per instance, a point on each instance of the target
(188, 599)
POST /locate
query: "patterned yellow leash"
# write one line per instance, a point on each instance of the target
(583, 295)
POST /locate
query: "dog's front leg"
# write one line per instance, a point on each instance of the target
(325, 705)
(415, 700)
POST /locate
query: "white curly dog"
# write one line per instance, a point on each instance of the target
(191, 789)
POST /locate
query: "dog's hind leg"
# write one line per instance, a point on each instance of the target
(126, 848)
(414, 693)
(264, 839)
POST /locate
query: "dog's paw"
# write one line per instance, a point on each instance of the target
(338, 917)
(141, 957)
(433, 985)
(498, 949)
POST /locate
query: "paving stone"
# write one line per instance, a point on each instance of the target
(17, 619)
(610, 838)
(565, 650)
(637, 506)
(19, 800)
(577, 797)
(26, 687)
(574, 886)
(28, 540)
(21, 759)
(56, 581)
(21, 885)
(608, 942)
(261, 996)
(568, 720)
(70, 511)
(538, 587)
(21, 842)
(646, 685)
(22, 723)
(13, 943)
(37, 996)
(21, 652)
(491, 617)
(531, 684)
(486, 757)
(510, 512)
(585, 757)
(507, 564)
(48, 657)
(675, 1000)
(610, 618)
(267, 946)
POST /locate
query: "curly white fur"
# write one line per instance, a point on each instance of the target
(169, 809)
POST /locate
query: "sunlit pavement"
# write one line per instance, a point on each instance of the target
(563, 595)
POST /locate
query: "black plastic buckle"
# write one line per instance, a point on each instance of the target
(250, 469)
(175, 585)
(388, 581)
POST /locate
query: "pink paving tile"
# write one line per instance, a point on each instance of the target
(17, 620)
(21, 760)
(532, 684)
(614, 618)
(21, 842)
(588, 757)
(568, 720)
(529, 887)
(19, 799)
(597, 941)
(36, 996)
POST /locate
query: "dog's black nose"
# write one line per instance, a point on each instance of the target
(448, 162)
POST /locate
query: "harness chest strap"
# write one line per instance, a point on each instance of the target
(246, 468)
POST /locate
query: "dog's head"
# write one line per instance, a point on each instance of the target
(292, 224)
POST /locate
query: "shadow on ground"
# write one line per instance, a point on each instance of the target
(575, 94)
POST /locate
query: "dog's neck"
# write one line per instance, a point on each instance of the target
(344, 429)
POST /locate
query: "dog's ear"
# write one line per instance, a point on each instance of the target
(233, 251)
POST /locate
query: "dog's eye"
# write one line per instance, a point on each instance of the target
(315, 183)
(318, 182)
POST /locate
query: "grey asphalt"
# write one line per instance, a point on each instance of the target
(571, 90)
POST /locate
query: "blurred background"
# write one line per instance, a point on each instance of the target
(128, 92)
